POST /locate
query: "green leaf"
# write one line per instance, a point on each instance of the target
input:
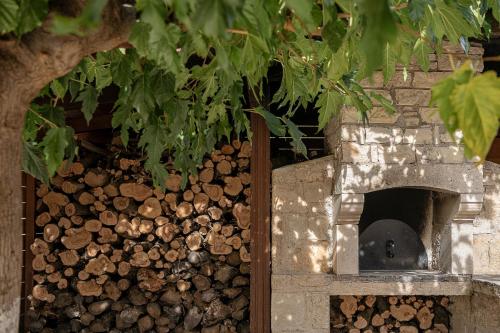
(386, 103)
(302, 8)
(478, 112)
(55, 115)
(380, 29)
(389, 63)
(90, 18)
(296, 135)
(33, 162)
(333, 33)
(31, 15)
(422, 51)
(441, 95)
(329, 104)
(215, 112)
(103, 77)
(274, 123)
(58, 88)
(54, 144)
(153, 140)
(417, 8)
(209, 18)
(139, 37)
(88, 97)
(447, 20)
(495, 8)
(8, 15)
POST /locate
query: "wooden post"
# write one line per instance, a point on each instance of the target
(29, 236)
(260, 286)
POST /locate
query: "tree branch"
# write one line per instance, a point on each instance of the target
(27, 65)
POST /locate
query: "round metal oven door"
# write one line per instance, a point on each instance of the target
(391, 245)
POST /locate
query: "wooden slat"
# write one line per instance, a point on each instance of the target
(260, 277)
(29, 231)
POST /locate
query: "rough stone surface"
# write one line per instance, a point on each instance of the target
(314, 223)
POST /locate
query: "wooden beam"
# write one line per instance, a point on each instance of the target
(260, 277)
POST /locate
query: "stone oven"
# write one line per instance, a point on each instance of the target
(390, 211)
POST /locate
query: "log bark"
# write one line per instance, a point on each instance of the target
(27, 65)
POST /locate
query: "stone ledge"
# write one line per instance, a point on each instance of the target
(387, 283)
(486, 284)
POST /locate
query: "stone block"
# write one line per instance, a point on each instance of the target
(444, 63)
(418, 136)
(481, 251)
(377, 115)
(346, 259)
(453, 48)
(396, 154)
(427, 79)
(355, 153)
(419, 97)
(318, 310)
(353, 133)
(461, 248)
(319, 227)
(446, 155)
(430, 115)
(287, 312)
(375, 134)
(397, 81)
(288, 198)
(312, 257)
(316, 191)
(383, 92)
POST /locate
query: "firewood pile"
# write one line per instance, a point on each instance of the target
(386, 314)
(114, 254)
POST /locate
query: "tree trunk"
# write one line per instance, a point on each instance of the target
(27, 65)
(11, 243)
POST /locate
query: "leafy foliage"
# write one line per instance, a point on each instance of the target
(470, 104)
(182, 85)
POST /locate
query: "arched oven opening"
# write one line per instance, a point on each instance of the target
(402, 229)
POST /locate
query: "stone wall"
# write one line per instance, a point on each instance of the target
(317, 204)
(487, 225)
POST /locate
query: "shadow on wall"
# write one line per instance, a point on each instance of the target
(308, 235)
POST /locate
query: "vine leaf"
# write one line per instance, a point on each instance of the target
(54, 144)
(88, 97)
(274, 123)
(380, 29)
(297, 136)
(477, 108)
(329, 104)
(31, 15)
(33, 162)
(470, 104)
(8, 14)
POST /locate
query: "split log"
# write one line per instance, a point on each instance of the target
(242, 215)
(96, 178)
(403, 312)
(151, 208)
(138, 192)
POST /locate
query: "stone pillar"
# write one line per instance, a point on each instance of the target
(461, 233)
(349, 207)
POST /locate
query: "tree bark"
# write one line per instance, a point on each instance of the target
(27, 65)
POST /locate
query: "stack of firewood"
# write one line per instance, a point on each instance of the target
(385, 314)
(114, 254)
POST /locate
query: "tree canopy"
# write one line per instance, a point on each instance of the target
(182, 78)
